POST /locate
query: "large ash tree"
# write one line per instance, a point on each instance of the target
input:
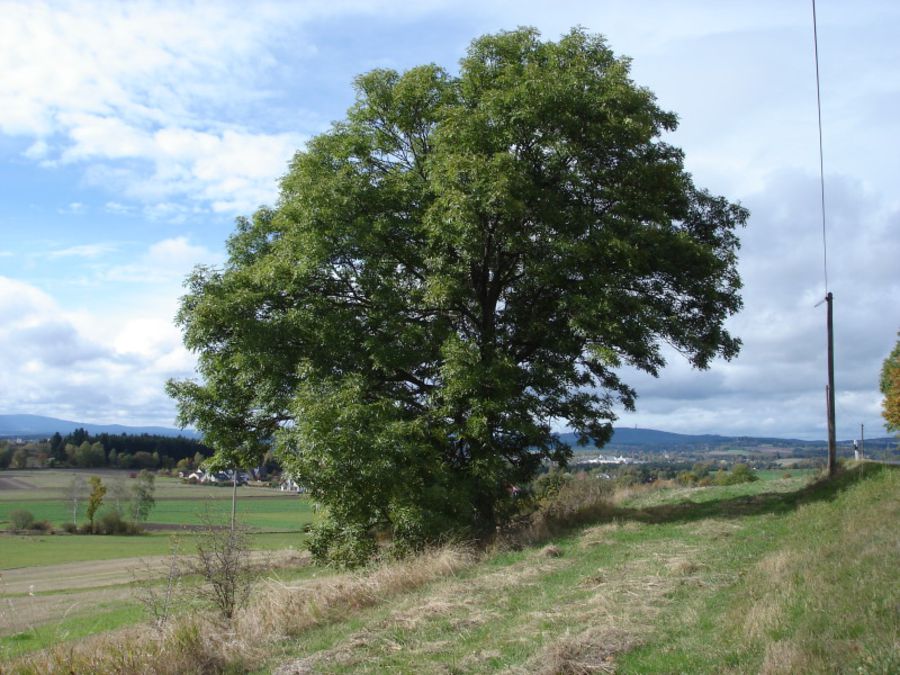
(464, 262)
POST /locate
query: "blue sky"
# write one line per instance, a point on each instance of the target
(132, 135)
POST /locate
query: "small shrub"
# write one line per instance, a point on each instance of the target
(113, 523)
(687, 478)
(740, 473)
(71, 528)
(547, 485)
(223, 561)
(159, 600)
(41, 526)
(20, 519)
(579, 500)
(342, 546)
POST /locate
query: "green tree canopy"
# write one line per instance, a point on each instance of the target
(95, 499)
(890, 388)
(463, 263)
(142, 499)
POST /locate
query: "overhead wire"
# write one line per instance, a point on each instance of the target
(821, 153)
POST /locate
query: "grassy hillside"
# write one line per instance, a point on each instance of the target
(774, 576)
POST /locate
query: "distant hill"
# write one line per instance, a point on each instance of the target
(625, 438)
(33, 426)
(648, 437)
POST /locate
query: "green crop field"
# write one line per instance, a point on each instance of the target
(44, 494)
(53, 484)
(270, 513)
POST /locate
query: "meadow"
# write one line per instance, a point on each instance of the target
(45, 494)
(58, 587)
(782, 575)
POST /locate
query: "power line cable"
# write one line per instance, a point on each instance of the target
(821, 154)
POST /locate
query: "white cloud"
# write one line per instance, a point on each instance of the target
(103, 361)
(118, 209)
(37, 150)
(165, 263)
(98, 85)
(82, 251)
(89, 366)
(776, 385)
(74, 208)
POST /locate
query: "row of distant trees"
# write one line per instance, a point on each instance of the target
(80, 449)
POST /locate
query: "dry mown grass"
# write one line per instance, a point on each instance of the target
(278, 611)
(201, 644)
(574, 602)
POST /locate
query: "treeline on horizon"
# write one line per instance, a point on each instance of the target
(80, 449)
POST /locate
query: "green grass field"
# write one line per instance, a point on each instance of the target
(106, 617)
(276, 519)
(269, 513)
(778, 576)
(771, 576)
(52, 484)
(43, 493)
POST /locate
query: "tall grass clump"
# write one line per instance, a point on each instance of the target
(562, 502)
(287, 610)
(190, 645)
(202, 643)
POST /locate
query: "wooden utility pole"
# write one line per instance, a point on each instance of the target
(862, 441)
(233, 497)
(832, 442)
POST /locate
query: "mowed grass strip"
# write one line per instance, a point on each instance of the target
(765, 577)
(32, 550)
(677, 582)
(100, 619)
(811, 589)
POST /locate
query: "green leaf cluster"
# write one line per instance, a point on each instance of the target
(462, 264)
(889, 384)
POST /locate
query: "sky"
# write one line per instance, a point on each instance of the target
(133, 134)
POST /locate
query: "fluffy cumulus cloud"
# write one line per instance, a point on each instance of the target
(179, 113)
(129, 90)
(776, 386)
(93, 364)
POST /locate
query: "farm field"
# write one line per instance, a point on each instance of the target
(38, 550)
(44, 494)
(60, 586)
(774, 576)
(778, 575)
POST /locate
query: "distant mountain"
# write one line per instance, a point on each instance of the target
(625, 438)
(32, 426)
(646, 437)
